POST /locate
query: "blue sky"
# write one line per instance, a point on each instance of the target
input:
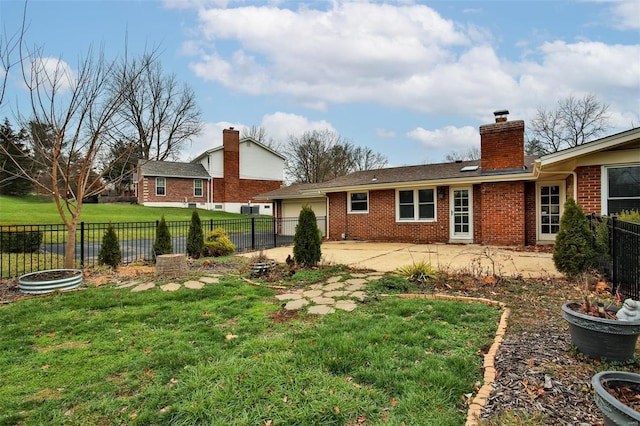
(412, 80)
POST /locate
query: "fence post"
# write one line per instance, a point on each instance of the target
(253, 233)
(81, 244)
(614, 254)
(275, 237)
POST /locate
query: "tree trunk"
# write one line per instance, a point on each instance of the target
(70, 246)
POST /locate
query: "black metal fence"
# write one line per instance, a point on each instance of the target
(621, 262)
(32, 248)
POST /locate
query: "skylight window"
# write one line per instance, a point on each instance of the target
(469, 168)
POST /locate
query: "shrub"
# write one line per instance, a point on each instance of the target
(110, 253)
(630, 216)
(574, 252)
(217, 243)
(195, 238)
(306, 241)
(417, 272)
(162, 244)
(19, 239)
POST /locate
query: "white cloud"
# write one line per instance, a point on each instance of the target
(405, 56)
(384, 133)
(447, 139)
(626, 14)
(50, 74)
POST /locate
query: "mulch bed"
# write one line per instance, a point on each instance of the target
(538, 372)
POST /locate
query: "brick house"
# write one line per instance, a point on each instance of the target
(505, 198)
(225, 178)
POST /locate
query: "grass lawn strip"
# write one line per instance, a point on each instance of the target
(215, 356)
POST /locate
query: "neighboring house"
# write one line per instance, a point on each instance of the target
(505, 198)
(225, 178)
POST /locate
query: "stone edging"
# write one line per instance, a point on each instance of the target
(480, 400)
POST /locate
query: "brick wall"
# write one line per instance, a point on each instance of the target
(503, 215)
(231, 182)
(589, 189)
(530, 209)
(380, 223)
(477, 213)
(502, 146)
(176, 191)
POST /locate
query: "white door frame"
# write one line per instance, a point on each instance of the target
(468, 211)
(548, 238)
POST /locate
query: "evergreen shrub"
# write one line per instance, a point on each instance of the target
(307, 239)
(110, 253)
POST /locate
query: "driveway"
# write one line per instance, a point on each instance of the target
(445, 257)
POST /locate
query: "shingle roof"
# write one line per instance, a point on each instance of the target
(291, 191)
(173, 169)
(425, 172)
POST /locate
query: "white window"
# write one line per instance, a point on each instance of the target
(550, 202)
(197, 187)
(416, 205)
(621, 189)
(358, 202)
(161, 186)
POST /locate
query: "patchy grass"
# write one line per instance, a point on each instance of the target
(227, 354)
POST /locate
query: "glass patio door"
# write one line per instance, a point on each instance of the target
(461, 206)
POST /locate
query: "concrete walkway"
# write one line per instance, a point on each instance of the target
(385, 257)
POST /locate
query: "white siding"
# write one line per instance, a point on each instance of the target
(259, 163)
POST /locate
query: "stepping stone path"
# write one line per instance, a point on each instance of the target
(194, 285)
(337, 292)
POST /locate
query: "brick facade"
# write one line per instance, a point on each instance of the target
(530, 211)
(177, 191)
(503, 213)
(589, 189)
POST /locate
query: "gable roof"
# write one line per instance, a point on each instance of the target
(244, 140)
(629, 137)
(173, 169)
(297, 190)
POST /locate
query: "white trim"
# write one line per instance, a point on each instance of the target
(416, 205)
(604, 184)
(349, 202)
(165, 186)
(469, 236)
(546, 238)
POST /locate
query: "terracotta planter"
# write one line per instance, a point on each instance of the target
(595, 337)
(614, 411)
(50, 280)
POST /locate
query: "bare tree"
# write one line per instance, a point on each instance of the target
(9, 44)
(76, 111)
(158, 112)
(574, 122)
(322, 155)
(259, 133)
(472, 153)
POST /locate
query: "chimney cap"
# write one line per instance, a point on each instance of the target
(230, 127)
(501, 112)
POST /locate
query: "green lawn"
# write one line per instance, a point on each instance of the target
(217, 356)
(38, 210)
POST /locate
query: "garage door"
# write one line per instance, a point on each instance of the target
(291, 209)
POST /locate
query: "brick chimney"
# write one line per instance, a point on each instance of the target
(231, 150)
(502, 144)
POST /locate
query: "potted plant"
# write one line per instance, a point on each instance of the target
(595, 330)
(617, 395)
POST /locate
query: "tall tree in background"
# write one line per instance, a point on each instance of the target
(575, 121)
(259, 133)
(118, 163)
(158, 112)
(14, 160)
(322, 155)
(472, 153)
(9, 45)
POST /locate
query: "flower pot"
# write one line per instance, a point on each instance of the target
(50, 280)
(614, 411)
(595, 337)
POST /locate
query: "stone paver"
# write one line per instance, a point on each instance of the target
(170, 287)
(312, 293)
(346, 305)
(355, 287)
(323, 300)
(337, 293)
(289, 296)
(129, 284)
(296, 304)
(333, 279)
(194, 285)
(209, 280)
(333, 286)
(321, 310)
(143, 287)
(356, 281)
